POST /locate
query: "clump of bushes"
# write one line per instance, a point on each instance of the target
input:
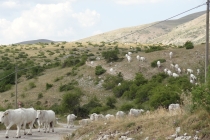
(99, 70)
(154, 48)
(188, 45)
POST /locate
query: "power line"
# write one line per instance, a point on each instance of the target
(6, 76)
(158, 22)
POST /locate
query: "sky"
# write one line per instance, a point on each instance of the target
(70, 20)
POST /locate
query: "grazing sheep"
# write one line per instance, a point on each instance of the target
(119, 84)
(189, 71)
(191, 81)
(91, 62)
(109, 117)
(198, 71)
(169, 73)
(129, 58)
(171, 54)
(179, 70)
(142, 59)
(84, 122)
(129, 53)
(138, 57)
(120, 114)
(176, 66)
(111, 70)
(165, 70)
(158, 64)
(175, 75)
(193, 77)
(172, 66)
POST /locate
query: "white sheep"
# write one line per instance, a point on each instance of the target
(169, 72)
(179, 70)
(129, 53)
(172, 66)
(138, 57)
(175, 75)
(171, 54)
(193, 77)
(189, 71)
(119, 84)
(198, 71)
(165, 70)
(91, 62)
(158, 64)
(142, 59)
(176, 66)
(129, 58)
(111, 70)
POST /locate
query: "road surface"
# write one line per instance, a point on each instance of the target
(60, 131)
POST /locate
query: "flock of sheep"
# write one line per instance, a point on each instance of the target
(174, 70)
(173, 108)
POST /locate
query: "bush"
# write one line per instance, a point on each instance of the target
(99, 70)
(48, 86)
(188, 45)
(111, 81)
(92, 105)
(119, 90)
(40, 95)
(111, 55)
(71, 100)
(110, 101)
(154, 48)
(126, 107)
(32, 85)
(68, 86)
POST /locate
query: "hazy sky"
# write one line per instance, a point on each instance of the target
(69, 20)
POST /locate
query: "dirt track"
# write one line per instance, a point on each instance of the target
(60, 131)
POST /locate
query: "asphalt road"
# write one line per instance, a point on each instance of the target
(60, 131)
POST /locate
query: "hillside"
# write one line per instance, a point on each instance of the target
(49, 54)
(165, 32)
(43, 71)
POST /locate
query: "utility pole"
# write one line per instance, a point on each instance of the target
(16, 87)
(207, 40)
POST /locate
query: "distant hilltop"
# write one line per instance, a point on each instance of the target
(36, 41)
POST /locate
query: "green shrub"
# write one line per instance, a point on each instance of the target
(99, 70)
(111, 81)
(40, 95)
(126, 107)
(32, 85)
(110, 101)
(154, 63)
(71, 100)
(48, 86)
(58, 78)
(111, 55)
(188, 45)
(119, 90)
(68, 86)
(154, 48)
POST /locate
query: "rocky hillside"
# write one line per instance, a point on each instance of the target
(191, 27)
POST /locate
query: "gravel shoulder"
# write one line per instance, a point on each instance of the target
(60, 131)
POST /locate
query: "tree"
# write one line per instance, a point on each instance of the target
(71, 100)
(111, 55)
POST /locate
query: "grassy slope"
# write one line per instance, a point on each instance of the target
(185, 58)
